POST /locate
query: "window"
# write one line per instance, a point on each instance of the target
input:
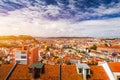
(24, 57)
(80, 70)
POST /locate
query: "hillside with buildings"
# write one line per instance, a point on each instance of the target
(16, 41)
(61, 59)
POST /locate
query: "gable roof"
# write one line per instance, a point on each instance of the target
(98, 73)
(4, 70)
(114, 66)
(21, 72)
(51, 72)
(69, 72)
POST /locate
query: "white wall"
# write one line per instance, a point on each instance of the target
(108, 71)
(18, 55)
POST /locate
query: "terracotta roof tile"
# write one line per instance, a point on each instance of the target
(98, 73)
(4, 69)
(51, 72)
(21, 72)
(69, 72)
(114, 66)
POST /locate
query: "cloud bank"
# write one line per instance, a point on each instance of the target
(60, 18)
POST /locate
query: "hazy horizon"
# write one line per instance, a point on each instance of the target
(58, 36)
(57, 18)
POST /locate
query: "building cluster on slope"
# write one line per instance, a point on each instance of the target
(62, 59)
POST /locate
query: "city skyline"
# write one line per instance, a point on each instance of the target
(56, 18)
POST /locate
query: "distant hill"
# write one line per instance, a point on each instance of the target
(64, 37)
(20, 37)
(11, 41)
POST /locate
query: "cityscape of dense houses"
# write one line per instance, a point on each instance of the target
(60, 59)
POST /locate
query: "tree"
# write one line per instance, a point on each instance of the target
(84, 52)
(47, 48)
(106, 44)
(94, 47)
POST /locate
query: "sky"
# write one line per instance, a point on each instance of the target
(58, 18)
